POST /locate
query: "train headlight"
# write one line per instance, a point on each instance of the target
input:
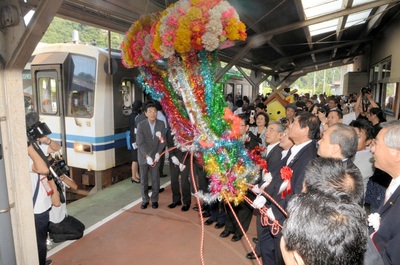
(83, 148)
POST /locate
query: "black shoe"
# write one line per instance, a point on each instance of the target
(251, 255)
(236, 237)
(135, 180)
(209, 222)
(219, 225)
(49, 262)
(154, 205)
(185, 208)
(144, 205)
(255, 240)
(174, 204)
(163, 175)
(161, 190)
(225, 233)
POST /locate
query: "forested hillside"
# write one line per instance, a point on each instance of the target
(60, 30)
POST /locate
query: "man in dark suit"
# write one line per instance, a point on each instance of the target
(150, 141)
(179, 164)
(302, 132)
(386, 150)
(340, 141)
(273, 156)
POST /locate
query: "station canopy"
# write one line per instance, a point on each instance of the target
(286, 38)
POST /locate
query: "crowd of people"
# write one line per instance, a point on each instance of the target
(342, 156)
(330, 162)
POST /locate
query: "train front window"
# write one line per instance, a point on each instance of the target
(47, 88)
(80, 91)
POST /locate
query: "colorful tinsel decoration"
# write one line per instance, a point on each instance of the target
(177, 68)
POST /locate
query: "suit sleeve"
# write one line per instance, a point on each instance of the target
(143, 148)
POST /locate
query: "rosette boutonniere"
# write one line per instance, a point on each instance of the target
(286, 187)
(160, 137)
(374, 220)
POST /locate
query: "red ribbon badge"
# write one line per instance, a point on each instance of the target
(286, 175)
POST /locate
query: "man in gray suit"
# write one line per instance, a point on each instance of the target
(151, 141)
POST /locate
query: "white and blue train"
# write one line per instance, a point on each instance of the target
(84, 94)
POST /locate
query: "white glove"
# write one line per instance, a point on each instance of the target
(259, 202)
(266, 177)
(270, 214)
(182, 167)
(256, 189)
(175, 160)
(149, 161)
(157, 157)
(134, 145)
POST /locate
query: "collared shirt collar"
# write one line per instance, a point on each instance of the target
(295, 149)
(271, 146)
(394, 184)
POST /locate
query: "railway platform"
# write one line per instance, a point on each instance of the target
(119, 232)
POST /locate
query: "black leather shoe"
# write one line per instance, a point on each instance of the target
(185, 208)
(236, 237)
(209, 222)
(255, 240)
(154, 205)
(251, 255)
(144, 205)
(163, 176)
(219, 225)
(161, 190)
(225, 233)
(174, 204)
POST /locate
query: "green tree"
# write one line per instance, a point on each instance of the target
(60, 31)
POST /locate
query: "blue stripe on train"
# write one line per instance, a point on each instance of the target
(117, 141)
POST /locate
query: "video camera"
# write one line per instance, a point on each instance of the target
(34, 128)
(284, 121)
(58, 167)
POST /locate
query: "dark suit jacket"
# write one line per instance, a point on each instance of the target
(387, 238)
(147, 144)
(274, 159)
(298, 165)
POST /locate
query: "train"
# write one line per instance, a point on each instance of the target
(84, 94)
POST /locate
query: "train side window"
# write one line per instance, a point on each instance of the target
(80, 93)
(47, 88)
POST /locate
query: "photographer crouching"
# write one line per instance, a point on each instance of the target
(44, 190)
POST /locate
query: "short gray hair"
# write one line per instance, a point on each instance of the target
(281, 128)
(345, 136)
(392, 137)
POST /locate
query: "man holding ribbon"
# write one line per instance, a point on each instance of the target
(150, 140)
(302, 132)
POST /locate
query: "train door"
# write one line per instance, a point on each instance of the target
(47, 89)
